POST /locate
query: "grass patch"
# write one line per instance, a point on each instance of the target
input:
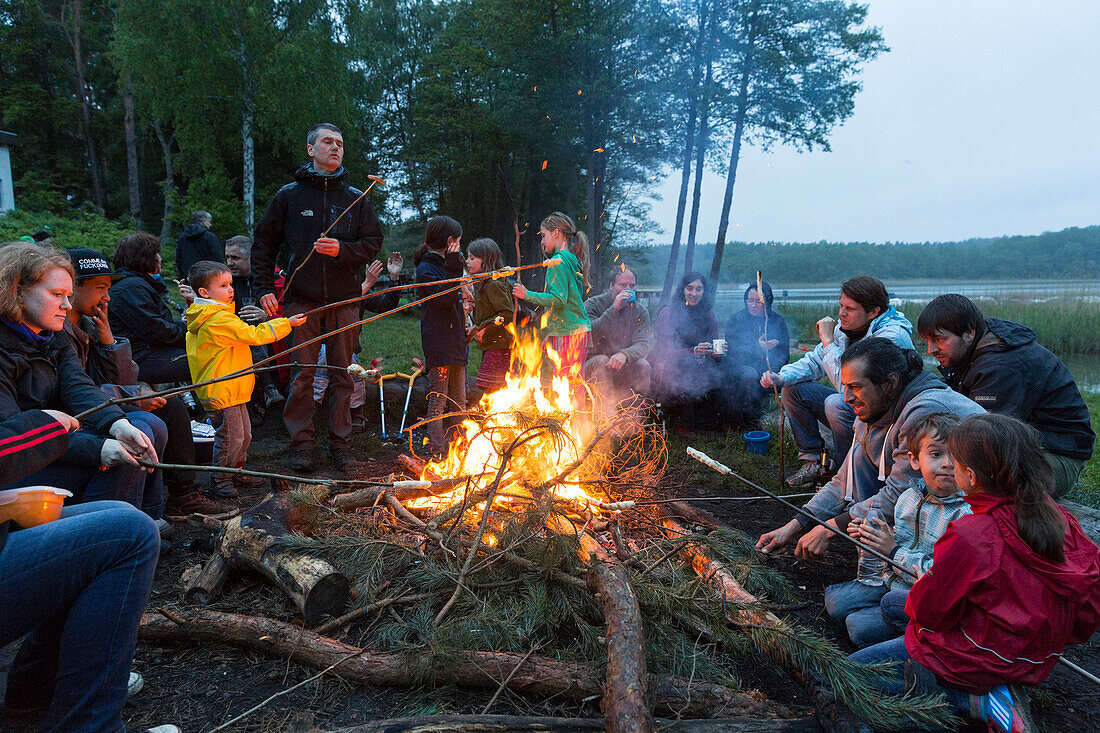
(1087, 490)
(397, 339)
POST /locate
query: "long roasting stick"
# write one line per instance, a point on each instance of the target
(768, 363)
(723, 469)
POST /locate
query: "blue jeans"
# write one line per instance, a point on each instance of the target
(119, 483)
(894, 683)
(862, 609)
(808, 403)
(77, 588)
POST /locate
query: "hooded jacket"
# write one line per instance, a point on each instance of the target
(442, 321)
(564, 296)
(627, 331)
(877, 467)
(45, 373)
(194, 244)
(298, 215)
(1008, 372)
(138, 312)
(744, 331)
(217, 345)
(991, 610)
(824, 361)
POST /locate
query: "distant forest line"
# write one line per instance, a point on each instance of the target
(1072, 253)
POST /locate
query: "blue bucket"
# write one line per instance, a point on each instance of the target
(757, 441)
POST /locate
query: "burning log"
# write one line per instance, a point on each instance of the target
(833, 716)
(537, 676)
(250, 542)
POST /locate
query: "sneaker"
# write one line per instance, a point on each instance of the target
(1006, 709)
(224, 489)
(179, 508)
(135, 684)
(805, 477)
(272, 397)
(168, 728)
(303, 459)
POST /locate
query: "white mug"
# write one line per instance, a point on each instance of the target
(719, 346)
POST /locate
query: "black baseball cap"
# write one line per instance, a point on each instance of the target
(89, 263)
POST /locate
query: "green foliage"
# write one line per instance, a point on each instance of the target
(1087, 490)
(82, 228)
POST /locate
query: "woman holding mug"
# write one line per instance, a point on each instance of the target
(686, 365)
(39, 370)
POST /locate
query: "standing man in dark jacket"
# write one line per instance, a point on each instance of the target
(1001, 366)
(322, 270)
(196, 243)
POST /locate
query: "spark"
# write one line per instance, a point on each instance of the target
(544, 164)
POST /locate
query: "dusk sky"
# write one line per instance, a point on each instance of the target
(982, 120)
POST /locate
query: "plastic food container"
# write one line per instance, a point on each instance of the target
(32, 505)
(756, 441)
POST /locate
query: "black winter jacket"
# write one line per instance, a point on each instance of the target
(139, 312)
(46, 374)
(442, 322)
(1007, 371)
(297, 216)
(197, 243)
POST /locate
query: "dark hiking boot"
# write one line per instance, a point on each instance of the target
(343, 461)
(808, 476)
(272, 397)
(242, 481)
(303, 459)
(179, 508)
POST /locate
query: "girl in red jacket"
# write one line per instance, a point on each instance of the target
(1010, 586)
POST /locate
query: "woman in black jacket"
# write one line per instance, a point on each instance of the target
(39, 369)
(139, 311)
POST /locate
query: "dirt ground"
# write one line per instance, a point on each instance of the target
(201, 688)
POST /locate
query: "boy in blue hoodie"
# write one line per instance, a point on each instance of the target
(874, 613)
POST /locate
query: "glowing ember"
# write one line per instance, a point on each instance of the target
(549, 435)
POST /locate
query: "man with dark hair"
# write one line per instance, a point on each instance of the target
(322, 270)
(865, 311)
(621, 338)
(197, 243)
(887, 389)
(1001, 366)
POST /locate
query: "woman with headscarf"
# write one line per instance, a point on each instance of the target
(686, 366)
(758, 341)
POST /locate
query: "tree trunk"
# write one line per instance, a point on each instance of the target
(82, 97)
(539, 677)
(735, 155)
(248, 177)
(132, 176)
(526, 724)
(689, 146)
(250, 542)
(169, 188)
(700, 165)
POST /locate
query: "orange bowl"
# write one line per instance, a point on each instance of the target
(32, 505)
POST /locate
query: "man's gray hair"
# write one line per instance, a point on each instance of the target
(241, 242)
(620, 268)
(200, 216)
(311, 135)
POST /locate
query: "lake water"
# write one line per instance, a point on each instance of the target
(1085, 368)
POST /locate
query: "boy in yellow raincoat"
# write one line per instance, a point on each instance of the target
(217, 345)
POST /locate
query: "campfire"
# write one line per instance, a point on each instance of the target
(527, 435)
(542, 555)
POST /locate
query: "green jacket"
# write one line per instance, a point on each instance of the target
(493, 298)
(564, 296)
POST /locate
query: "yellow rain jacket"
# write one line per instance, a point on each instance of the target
(217, 345)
